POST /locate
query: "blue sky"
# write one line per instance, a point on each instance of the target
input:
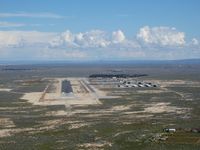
(99, 29)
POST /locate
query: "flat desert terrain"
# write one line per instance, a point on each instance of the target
(157, 111)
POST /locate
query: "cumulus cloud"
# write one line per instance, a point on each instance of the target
(164, 36)
(118, 36)
(67, 36)
(149, 43)
(93, 38)
(195, 41)
(90, 39)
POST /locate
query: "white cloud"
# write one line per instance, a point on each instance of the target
(67, 36)
(90, 39)
(22, 38)
(118, 36)
(31, 15)
(7, 40)
(151, 43)
(93, 38)
(10, 24)
(164, 36)
(195, 41)
(65, 39)
(4, 24)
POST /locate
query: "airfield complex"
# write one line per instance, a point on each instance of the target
(100, 110)
(89, 88)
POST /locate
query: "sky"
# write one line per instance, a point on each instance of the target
(99, 29)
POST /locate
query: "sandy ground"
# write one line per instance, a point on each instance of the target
(57, 113)
(149, 109)
(163, 108)
(94, 145)
(6, 123)
(77, 125)
(153, 108)
(9, 132)
(32, 97)
(121, 108)
(9, 108)
(5, 90)
(35, 96)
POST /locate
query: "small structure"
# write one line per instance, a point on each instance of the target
(169, 130)
(195, 130)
